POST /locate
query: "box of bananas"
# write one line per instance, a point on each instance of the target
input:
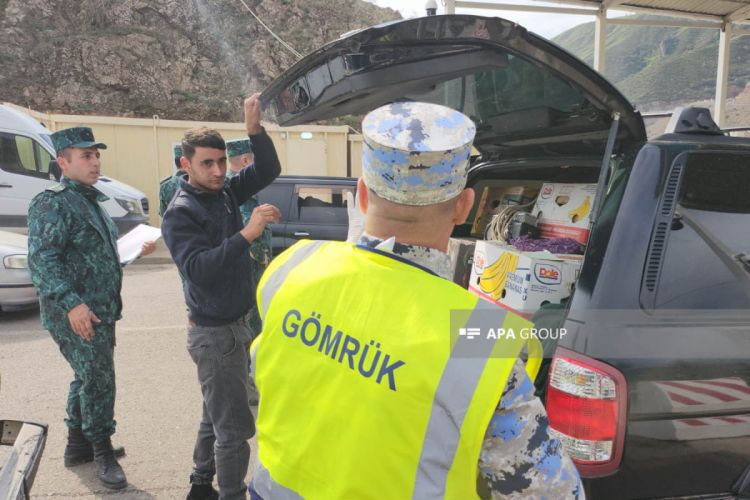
(563, 210)
(521, 281)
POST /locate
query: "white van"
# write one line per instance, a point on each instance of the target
(25, 154)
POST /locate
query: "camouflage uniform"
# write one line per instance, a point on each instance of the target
(168, 186)
(73, 260)
(518, 459)
(261, 248)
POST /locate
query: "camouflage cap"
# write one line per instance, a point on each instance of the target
(177, 150)
(237, 147)
(416, 153)
(75, 137)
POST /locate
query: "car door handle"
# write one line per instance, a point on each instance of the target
(301, 233)
(5, 185)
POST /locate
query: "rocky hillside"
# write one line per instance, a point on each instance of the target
(179, 59)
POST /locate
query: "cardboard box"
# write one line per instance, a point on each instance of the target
(563, 210)
(494, 197)
(521, 281)
(461, 253)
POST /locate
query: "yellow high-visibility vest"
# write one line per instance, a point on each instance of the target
(377, 378)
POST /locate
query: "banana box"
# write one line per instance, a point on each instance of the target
(521, 281)
(563, 210)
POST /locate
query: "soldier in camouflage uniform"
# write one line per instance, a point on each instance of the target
(168, 186)
(240, 155)
(75, 266)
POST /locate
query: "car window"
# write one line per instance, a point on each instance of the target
(278, 196)
(22, 155)
(322, 204)
(522, 85)
(713, 193)
(43, 159)
(513, 97)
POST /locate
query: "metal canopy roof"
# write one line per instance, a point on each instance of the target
(702, 13)
(719, 10)
(725, 15)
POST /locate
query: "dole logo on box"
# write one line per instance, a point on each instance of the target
(547, 274)
(480, 261)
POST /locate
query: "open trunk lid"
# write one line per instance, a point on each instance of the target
(527, 96)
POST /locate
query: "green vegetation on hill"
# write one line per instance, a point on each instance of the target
(654, 66)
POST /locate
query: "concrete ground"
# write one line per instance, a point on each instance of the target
(158, 398)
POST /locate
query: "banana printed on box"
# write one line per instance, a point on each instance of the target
(521, 281)
(563, 210)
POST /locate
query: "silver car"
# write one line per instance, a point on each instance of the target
(16, 289)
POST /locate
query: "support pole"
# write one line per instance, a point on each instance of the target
(722, 76)
(600, 41)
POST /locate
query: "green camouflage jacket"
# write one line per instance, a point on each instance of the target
(261, 248)
(167, 189)
(73, 253)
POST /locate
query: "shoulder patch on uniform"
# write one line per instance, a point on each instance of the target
(56, 188)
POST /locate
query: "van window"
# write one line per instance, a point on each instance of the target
(22, 155)
(322, 204)
(713, 192)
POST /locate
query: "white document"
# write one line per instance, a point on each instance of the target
(129, 246)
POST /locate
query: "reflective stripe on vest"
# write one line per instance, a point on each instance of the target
(431, 477)
(267, 288)
(269, 489)
(329, 427)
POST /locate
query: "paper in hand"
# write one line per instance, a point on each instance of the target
(129, 246)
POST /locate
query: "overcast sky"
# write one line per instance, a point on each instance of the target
(547, 25)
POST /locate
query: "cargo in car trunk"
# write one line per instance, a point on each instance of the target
(530, 276)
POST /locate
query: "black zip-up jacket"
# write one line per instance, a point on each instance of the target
(201, 230)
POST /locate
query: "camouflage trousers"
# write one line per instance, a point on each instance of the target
(253, 322)
(91, 400)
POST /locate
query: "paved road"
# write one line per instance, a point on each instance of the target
(158, 398)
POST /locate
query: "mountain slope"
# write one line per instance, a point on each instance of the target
(655, 66)
(179, 59)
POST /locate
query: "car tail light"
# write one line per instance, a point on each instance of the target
(586, 405)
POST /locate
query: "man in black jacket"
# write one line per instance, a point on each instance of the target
(204, 232)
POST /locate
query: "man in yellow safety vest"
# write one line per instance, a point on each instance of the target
(378, 377)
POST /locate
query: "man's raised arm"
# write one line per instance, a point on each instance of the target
(266, 167)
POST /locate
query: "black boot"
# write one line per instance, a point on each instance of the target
(107, 469)
(79, 450)
(202, 492)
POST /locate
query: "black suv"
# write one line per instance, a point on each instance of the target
(649, 388)
(311, 208)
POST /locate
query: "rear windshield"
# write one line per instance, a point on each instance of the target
(520, 85)
(514, 101)
(697, 270)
